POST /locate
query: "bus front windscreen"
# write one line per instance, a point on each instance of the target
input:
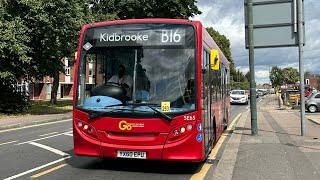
(129, 67)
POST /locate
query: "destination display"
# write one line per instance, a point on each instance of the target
(141, 35)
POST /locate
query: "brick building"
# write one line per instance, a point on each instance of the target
(313, 80)
(41, 90)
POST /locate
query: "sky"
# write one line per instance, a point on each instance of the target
(227, 17)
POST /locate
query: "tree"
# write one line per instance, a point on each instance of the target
(290, 75)
(307, 73)
(14, 60)
(53, 32)
(129, 9)
(224, 44)
(247, 76)
(13, 49)
(276, 76)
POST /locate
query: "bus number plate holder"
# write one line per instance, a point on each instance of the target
(132, 154)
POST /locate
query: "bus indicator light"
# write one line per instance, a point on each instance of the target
(182, 129)
(85, 127)
(189, 127)
(175, 132)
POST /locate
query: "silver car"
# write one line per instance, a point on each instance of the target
(313, 102)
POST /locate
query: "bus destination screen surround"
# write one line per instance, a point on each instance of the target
(160, 66)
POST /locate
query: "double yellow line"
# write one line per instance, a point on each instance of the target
(212, 156)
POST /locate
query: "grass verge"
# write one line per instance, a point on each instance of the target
(43, 107)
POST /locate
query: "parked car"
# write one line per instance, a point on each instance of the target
(260, 93)
(248, 92)
(313, 102)
(239, 97)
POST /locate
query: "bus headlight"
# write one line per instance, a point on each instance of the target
(79, 124)
(86, 129)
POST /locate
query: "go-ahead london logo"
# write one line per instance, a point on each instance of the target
(125, 126)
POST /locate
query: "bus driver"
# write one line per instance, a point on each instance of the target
(122, 79)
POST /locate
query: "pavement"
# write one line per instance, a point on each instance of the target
(277, 152)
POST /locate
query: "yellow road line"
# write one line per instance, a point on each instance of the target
(48, 134)
(205, 167)
(47, 171)
(216, 148)
(234, 121)
(42, 124)
(8, 142)
(203, 171)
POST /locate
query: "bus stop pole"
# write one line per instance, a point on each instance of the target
(253, 100)
(301, 65)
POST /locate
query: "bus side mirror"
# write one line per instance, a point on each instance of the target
(214, 59)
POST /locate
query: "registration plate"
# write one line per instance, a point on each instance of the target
(132, 154)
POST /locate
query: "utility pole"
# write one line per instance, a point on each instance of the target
(253, 99)
(301, 65)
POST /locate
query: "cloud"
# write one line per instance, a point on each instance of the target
(227, 17)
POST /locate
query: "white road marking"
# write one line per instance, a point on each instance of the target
(313, 140)
(42, 124)
(8, 142)
(61, 153)
(68, 134)
(37, 168)
(48, 134)
(43, 138)
(260, 100)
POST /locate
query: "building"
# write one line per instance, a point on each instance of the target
(41, 89)
(313, 80)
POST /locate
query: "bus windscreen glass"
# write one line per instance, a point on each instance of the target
(159, 67)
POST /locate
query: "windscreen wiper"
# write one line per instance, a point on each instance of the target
(165, 116)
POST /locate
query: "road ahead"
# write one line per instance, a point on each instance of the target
(46, 152)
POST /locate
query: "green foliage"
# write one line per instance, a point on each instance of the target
(13, 44)
(307, 73)
(130, 9)
(12, 101)
(35, 35)
(224, 44)
(276, 76)
(240, 85)
(247, 76)
(286, 75)
(54, 27)
(290, 75)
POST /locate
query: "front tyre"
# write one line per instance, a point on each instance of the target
(312, 108)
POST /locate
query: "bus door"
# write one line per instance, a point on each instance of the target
(223, 95)
(206, 103)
